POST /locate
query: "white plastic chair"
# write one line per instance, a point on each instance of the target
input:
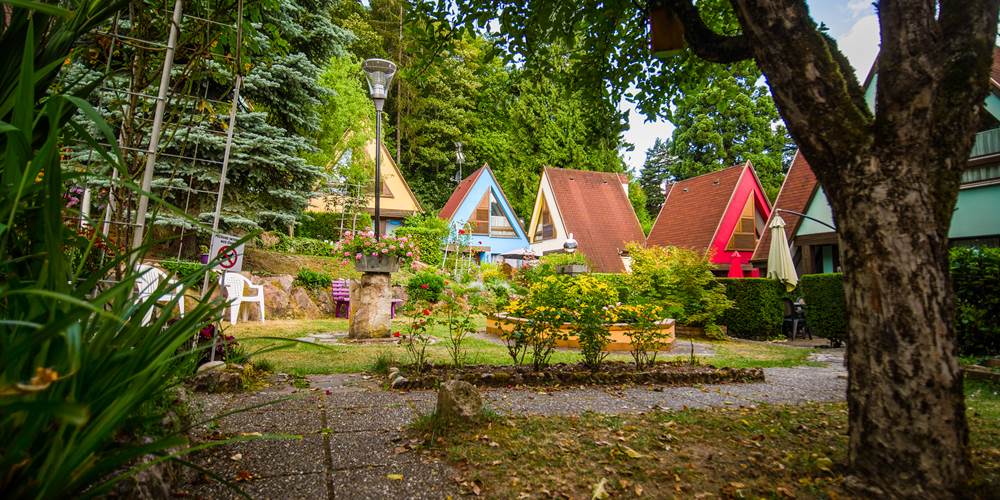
(234, 283)
(148, 281)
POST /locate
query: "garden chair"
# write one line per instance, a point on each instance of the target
(234, 284)
(148, 282)
(795, 315)
(341, 292)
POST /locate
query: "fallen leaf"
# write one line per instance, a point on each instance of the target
(237, 456)
(638, 490)
(243, 476)
(824, 464)
(632, 453)
(600, 492)
(394, 477)
(255, 434)
(475, 489)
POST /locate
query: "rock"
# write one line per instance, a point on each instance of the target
(276, 300)
(393, 372)
(371, 299)
(398, 383)
(303, 303)
(992, 363)
(211, 365)
(324, 301)
(458, 400)
(217, 381)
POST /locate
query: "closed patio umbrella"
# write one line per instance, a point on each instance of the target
(779, 258)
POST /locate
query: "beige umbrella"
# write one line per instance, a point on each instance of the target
(779, 258)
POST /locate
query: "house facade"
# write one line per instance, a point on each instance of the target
(594, 208)
(723, 213)
(396, 201)
(975, 221)
(479, 207)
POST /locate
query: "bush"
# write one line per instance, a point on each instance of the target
(425, 285)
(680, 281)
(563, 259)
(326, 225)
(314, 280)
(588, 310)
(427, 232)
(278, 242)
(542, 312)
(826, 311)
(645, 336)
(757, 311)
(182, 268)
(975, 274)
(620, 283)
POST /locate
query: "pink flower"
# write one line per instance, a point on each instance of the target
(343, 261)
(385, 250)
(409, 254)
(374, 254)
(347, 233)
(358, 256)
(347, 254)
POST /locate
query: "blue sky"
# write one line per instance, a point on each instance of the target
(852, 23)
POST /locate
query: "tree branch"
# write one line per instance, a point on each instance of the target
(706, 43)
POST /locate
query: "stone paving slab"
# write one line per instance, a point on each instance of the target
(299, 486)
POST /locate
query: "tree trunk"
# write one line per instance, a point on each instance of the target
(908, 432)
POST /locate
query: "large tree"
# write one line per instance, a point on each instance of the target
(891, 176)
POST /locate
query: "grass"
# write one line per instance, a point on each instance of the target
(309, 359)
(767, 452)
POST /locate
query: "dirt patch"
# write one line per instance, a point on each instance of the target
(563, 374)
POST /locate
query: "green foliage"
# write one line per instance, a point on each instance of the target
(77, 367)
(182, 268)
(278, 242)
(680, 281)
(975, 274)
(646, 334)
(621, 283)
(637, 196)
(656, 171)
(543, 314)
(427, 232)
(315, 280)
(757, 311)
(554, 260)
(458, 304)
(418, 337)
(326, 225)
(425, 286)
(826, 311)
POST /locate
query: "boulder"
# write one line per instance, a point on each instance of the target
(458, 400)
(324, 301)
(212, 365)
(371, 299)
(303, 303)
(216, 380)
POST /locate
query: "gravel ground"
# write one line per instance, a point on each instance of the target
(343, 434)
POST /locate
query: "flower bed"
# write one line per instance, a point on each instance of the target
(502, 324)
(678, 373)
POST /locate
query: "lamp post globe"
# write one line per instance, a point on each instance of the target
(378, 73)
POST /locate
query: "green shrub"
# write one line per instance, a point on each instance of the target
(758, 309)
(314, 280)
(588, 310)
(975, 274)
(680, 281)
(563, 259)
(826, 312)
(425, 285)
(327, 225)
(278, 242)
(620, 283)
(428, 233)
(182, 268)
(646, 335)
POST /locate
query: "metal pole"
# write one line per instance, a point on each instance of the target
(154, 139)
(378, 165)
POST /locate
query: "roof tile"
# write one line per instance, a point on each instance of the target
(693, 209)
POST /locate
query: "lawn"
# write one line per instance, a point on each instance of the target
(765, 452)
(308, 359)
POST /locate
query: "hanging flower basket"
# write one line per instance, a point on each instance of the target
(380, 263)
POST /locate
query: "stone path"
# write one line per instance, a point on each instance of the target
(348, 430)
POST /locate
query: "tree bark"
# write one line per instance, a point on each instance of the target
(892, 180)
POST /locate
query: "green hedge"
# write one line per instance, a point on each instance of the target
(757, 311)
(427, 232)
(326, 225)
(975, 274)
(826, 312)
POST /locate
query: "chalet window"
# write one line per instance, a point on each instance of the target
(488, 219)
(747, 230)
(480, 221)
(545, 230)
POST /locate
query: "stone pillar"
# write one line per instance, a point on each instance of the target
(371, 300)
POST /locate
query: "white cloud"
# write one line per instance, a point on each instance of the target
(860, 44)
(642, 135)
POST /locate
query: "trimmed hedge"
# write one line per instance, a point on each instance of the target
(757, 311)
(975, 274)
(427, 232)
(826, 311)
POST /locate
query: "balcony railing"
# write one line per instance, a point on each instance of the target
(987, 143)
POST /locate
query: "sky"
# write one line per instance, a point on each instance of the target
(852, 23)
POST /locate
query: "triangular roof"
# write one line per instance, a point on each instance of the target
(693, 208)
(399, 203)
(796, 191)
(460, 192)
(595, 208)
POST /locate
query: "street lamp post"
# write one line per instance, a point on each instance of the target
(379, 73)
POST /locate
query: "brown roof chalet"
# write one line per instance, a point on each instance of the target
(796, 191)
(693, 209)
(595, 208)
